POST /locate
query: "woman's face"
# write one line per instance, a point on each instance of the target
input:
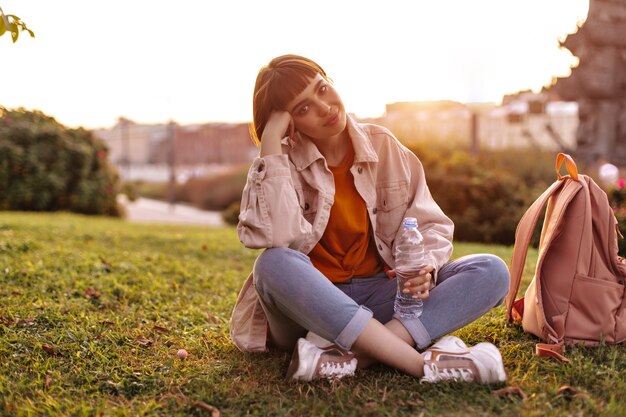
(318, 111)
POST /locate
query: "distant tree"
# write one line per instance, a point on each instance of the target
(45, 166)
(9, 23)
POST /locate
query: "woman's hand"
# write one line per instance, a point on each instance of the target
(279, 125)
(419, 285)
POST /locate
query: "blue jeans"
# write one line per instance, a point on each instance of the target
(297, 298)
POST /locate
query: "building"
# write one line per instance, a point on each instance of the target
(525, 119)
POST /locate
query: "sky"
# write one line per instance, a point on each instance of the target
(195, 61)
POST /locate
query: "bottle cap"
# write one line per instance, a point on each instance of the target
(409, 222)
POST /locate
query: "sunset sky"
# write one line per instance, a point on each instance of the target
(196, 61)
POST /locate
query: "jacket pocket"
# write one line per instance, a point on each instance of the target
(593, 307)
(391, 204)
(307, 199)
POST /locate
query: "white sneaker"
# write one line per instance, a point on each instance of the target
(481, 363)
(317, 340)
(447, 344)
(310, 362)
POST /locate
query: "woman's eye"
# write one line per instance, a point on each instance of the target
(303, 109)
(323, 89)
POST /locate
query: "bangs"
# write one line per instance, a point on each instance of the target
(287, 83)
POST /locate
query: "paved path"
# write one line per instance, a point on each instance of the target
(144, 210)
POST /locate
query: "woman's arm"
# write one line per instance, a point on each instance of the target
(270, 214)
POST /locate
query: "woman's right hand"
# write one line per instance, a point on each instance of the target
(279, 125)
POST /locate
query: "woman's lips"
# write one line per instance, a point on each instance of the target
(332, 120)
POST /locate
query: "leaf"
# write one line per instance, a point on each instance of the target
(47, 382)
(143, 341)
(206, 407)
(3, 27)
(49, 349)
(15, 32)
(160, 329)
(25, 322)
(92, 293)
(510, 391)
(568, 392)
(5, 20)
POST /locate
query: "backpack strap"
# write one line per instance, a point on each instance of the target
(570, 165)
(526, 226)
(548, 350)
(523, 235)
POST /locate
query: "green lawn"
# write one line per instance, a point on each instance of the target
(94, 310)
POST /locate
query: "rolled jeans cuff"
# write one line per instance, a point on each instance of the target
(354, 328)
(417, 331)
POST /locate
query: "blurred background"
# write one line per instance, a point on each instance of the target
(114, 102)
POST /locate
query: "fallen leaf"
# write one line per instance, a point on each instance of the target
(6, 322)
(206, 407)
(568, 392)
(49, 349)
(510, 391)
(47, 381)
(161, 329)
(92, 293)
(143, 341)
(25, 322)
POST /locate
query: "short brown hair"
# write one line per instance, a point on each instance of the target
(277, 84)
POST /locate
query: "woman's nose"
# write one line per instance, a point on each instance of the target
(324, 108)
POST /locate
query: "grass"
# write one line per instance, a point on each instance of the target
(94, 311)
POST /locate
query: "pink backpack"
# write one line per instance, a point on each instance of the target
(577, 292)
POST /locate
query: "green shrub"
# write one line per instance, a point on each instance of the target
(231, 214)
(485, 195)
(45, 166)
(215, 192)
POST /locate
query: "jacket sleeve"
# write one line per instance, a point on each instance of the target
(435, 226)
(270, 214)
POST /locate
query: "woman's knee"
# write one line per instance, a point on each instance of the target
(272, 265)
(499, 276)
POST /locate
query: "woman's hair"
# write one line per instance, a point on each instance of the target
(277, 84)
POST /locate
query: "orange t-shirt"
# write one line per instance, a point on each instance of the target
(347, 249)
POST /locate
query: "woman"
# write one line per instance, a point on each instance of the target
(326, 198)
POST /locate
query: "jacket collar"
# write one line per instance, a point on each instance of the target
(303, 151)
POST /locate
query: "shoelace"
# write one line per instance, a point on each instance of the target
(447, 374)
(337, 370)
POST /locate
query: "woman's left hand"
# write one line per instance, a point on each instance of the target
(419, 285)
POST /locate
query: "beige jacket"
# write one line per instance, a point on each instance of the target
(287, 199)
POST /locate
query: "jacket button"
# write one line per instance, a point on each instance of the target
(375, 210)
(360, 170)
(380, 247)
(306, 206)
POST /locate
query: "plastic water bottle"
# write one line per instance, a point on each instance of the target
(409, 260)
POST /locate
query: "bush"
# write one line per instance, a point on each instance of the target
(487, 194)
(231, 214)
(45, 166)
(216, 192)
